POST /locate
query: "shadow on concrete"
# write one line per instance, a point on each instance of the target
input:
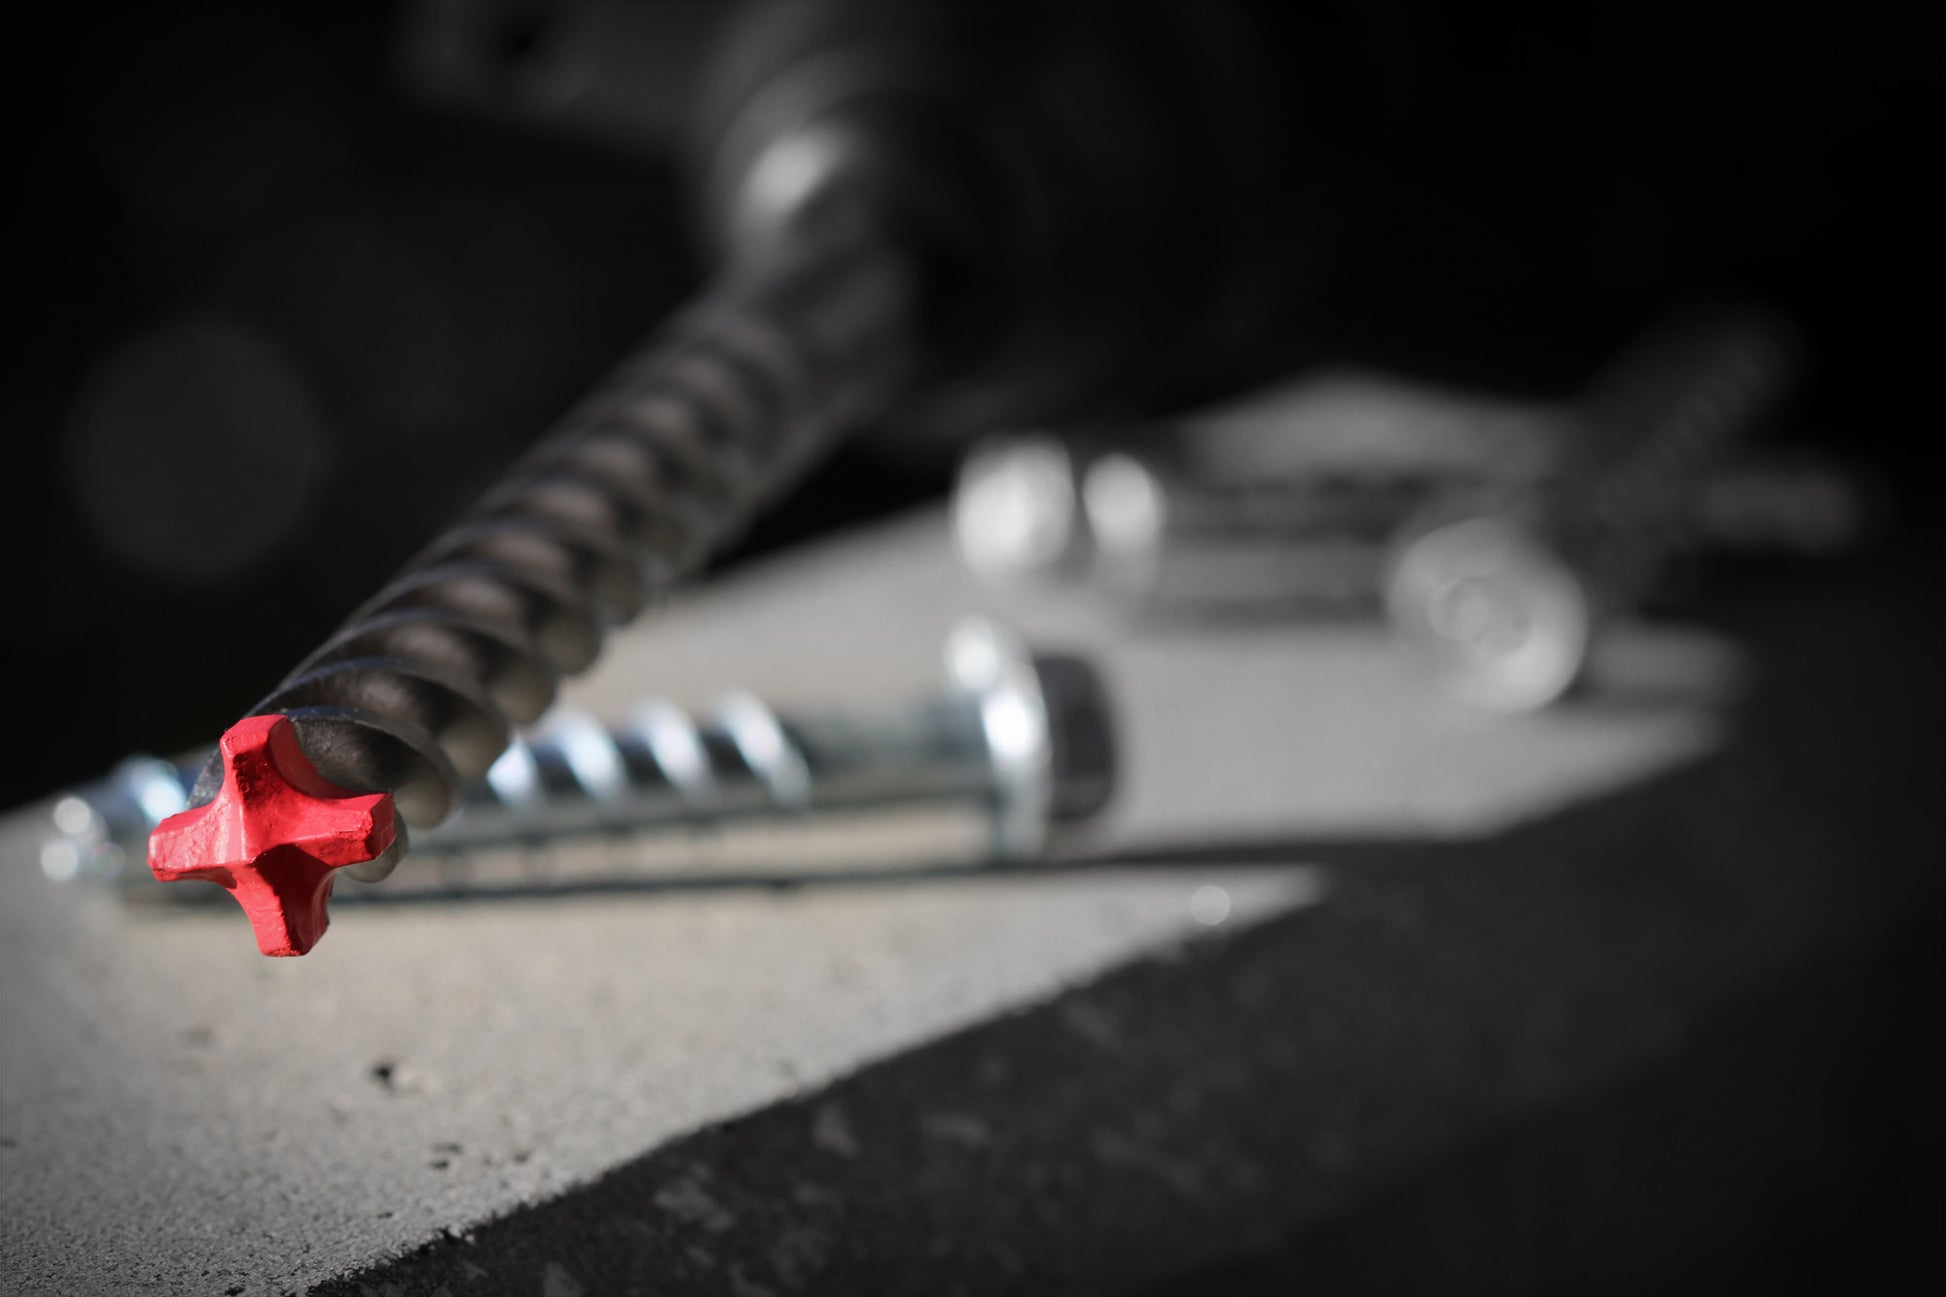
(1682, 1038)
(1598, 1053)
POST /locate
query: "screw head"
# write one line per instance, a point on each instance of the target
(1045, 721)
(1505, 622)
(1016, 512)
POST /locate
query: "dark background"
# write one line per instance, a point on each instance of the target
(278, 321)
(279, 313)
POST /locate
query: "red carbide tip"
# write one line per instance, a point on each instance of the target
(274, 836)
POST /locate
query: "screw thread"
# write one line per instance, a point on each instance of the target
(1653, 429)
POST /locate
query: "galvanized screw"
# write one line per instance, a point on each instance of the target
(1159, 537)
(1505, 596)
(1026, 737)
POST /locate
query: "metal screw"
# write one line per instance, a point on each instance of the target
(1504, 596)
(1293, 502)
(1026, 737)
(1159, 538)
(1281, 502)
(1495, 535)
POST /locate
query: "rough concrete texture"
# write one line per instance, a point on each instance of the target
(542, 1076)
(180, 1107)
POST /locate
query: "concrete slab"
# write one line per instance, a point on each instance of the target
(181, 1115)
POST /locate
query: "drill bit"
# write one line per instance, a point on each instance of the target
(894, 231)
(417, 694)
(986, 214)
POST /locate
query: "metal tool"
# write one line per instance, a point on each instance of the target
(1503, 595)
(1024, 739)
(1137, 521)
(1291, 503)
(893, 234)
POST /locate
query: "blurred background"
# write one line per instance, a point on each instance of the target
(293, 285)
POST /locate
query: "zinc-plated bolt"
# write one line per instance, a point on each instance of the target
(1281, 503)
(1304, 514)
(1495, 535)
(1026, 737)
(1156, 541)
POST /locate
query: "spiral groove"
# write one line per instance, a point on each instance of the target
(665, 461)
(1668, 413)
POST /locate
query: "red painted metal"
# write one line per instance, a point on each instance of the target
(275, 836)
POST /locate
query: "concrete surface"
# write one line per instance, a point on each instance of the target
(1430, 924)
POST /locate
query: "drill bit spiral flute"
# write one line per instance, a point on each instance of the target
(416, 695)
(895, 237)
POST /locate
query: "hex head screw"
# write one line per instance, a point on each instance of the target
(1026, 739)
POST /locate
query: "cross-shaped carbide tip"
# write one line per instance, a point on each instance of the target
(274, 835)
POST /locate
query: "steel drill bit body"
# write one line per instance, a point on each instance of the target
(841, 154)
(417, 694)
